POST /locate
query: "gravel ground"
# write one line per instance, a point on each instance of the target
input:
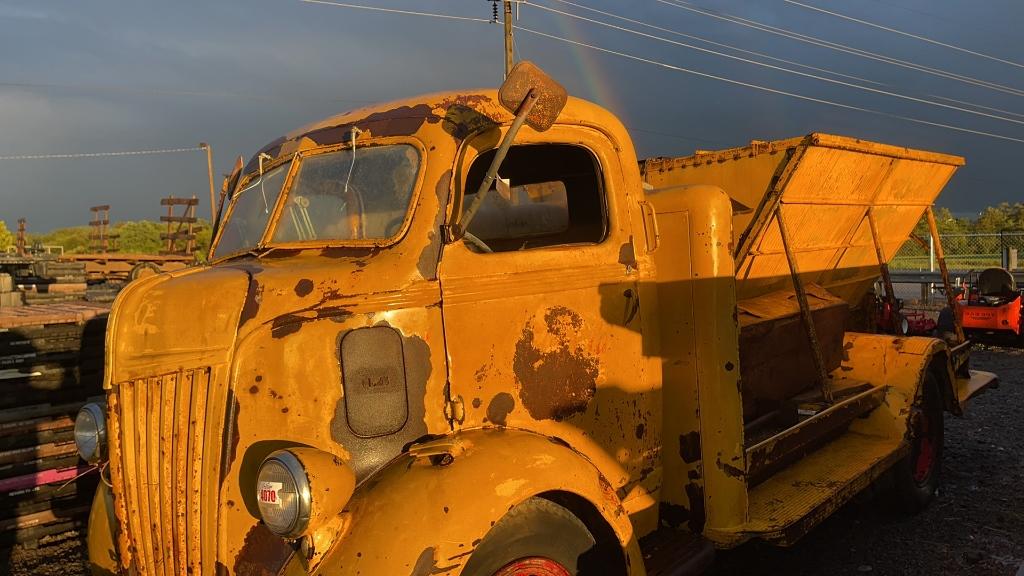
(975, 526)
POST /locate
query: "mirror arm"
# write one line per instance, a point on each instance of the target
(499, 157)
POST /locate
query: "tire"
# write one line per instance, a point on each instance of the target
(143, 270)
(537, 537)
(917, 477)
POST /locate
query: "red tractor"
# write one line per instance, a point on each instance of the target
(991, 306)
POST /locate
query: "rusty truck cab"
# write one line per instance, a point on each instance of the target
(335, 321)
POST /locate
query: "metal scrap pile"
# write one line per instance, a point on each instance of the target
(51, 362)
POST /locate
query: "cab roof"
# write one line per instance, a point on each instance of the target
(454, 114)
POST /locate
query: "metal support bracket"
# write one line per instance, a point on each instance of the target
(805, 309)
(933, 229)
(883, 265)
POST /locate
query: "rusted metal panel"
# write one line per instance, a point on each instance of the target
(775, 355)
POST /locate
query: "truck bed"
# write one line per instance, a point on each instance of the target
(825, 185)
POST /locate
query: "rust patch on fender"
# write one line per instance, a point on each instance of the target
(426, 565)
(303, 287)
(559, 381)
(499, 407)
(262, 553)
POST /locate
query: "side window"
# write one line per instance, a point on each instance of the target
(550, 195)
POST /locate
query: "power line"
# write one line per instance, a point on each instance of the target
(100, 154)
(771, 90)
(1018, 114)
(902, 33)
(397, 11)
(683, 5)
(708, 41)
(779, 68)
(169, 92)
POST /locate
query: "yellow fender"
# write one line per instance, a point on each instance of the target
(428, 509)
(901, 364)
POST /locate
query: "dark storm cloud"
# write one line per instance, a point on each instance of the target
(110, 76)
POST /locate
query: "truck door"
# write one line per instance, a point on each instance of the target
(541, 306)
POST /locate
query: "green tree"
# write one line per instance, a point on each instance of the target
(6, 238)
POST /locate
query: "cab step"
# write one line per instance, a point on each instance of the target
(818, 423)
(784, 507)
(669, 552)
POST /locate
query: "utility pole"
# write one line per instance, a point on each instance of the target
(508, 37)
(209, 173)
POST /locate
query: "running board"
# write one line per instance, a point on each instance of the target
(773, 454)
(787, 505)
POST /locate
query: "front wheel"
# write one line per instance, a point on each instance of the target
(536, 538)
(917, 476)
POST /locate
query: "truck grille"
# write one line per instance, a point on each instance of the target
(161, 425)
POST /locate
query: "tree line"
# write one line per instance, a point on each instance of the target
(135, 237)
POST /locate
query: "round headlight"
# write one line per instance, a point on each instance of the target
(282, 493)
(91, 433)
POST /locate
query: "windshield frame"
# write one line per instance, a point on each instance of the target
(296, 160)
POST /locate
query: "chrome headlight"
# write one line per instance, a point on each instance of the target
(302, 490)
(282, 492)
(91, 433)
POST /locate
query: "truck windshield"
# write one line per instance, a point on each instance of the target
(350, 195)
(250, 212)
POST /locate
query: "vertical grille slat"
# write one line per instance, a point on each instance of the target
(182, 406)
(195, 519)
(153, 474)
(165, 453)
(130, 453)
(162, 427)
(142, 415)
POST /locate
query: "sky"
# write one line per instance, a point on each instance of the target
(105, 76)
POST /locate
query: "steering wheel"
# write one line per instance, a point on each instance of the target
(476, 242)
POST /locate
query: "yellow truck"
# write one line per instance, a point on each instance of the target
(470, 333)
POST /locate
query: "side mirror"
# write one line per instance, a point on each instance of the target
(537, 100)
(527, 77)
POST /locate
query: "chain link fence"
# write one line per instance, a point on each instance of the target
(964, 252)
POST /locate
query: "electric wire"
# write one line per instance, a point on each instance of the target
(165, 91)
(965, 103)
(99, 154)
(781, 68)
(709, 41)
(771, 90)
(683, 5)
(397, 11)
(903, 33)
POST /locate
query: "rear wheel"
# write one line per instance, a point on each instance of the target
(537, 538)
(917, 476)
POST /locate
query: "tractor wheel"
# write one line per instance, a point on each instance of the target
(536, 538)
(916, 477)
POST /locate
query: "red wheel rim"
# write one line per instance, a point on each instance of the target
(925, 453)
(535, 566)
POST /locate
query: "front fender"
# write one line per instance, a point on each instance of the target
(428, 509)
(102, 533)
